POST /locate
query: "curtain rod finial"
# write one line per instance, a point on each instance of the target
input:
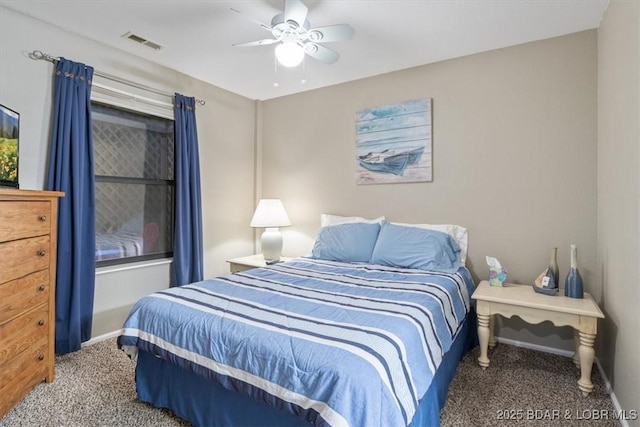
(38, 54)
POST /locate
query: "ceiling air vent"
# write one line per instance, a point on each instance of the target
(138, 39)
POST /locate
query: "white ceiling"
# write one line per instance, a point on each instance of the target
(389, 34)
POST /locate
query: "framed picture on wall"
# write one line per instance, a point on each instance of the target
(9, 131)
(393, 143)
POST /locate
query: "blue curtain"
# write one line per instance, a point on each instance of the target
(71, 170)
(187, 242)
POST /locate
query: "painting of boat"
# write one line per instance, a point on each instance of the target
(388, 161)
(393, 143)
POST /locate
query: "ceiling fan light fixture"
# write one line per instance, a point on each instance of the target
(289, 54)
(294, 39)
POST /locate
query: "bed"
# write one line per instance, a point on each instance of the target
(353, 335)
(121, 244)
(127, 242)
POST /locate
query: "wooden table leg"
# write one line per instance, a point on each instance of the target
(587, 354)
(492, 333)
(576, 342)
(483, 337)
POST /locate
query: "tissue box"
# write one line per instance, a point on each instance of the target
(497, 277)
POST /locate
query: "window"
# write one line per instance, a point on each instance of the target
(134, 161)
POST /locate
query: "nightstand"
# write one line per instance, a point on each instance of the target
(248, 262)
(521, 300)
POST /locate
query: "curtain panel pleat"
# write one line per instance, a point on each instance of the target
(187, 246)
(70, 170)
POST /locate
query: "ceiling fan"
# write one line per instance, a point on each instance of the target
(295, 37)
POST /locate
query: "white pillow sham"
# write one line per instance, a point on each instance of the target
(459, 234)
(328, 219)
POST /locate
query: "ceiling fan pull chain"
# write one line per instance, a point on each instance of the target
(275, 72)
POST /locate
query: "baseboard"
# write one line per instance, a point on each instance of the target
(614, 399)
(99, 338)
(568, 353)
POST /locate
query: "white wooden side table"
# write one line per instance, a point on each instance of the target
(248, 262)
(522, 301)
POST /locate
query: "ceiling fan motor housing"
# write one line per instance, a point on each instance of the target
(288, 30)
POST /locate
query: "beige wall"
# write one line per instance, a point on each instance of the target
(514, 143)
(619, 198)
(225, 131)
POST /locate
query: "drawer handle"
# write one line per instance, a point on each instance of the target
(41, 357)
(43, 218)
(41, 322)
(42, 288)
(42, 252)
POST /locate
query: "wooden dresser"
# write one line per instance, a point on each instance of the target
(28, 222)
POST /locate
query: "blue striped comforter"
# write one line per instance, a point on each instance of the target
(121, 244)
(336, 343)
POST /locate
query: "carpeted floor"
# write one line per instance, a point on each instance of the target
(95, 387)
(524, 388)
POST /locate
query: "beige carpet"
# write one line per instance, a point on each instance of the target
(524, 388)
(95, 387)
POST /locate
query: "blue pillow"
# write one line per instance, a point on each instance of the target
(352, 242)
(412, 247)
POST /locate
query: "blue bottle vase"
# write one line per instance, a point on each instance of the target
(573, 283)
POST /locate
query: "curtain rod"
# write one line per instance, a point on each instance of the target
(37, 54)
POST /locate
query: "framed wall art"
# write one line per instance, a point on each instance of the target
(393, 143)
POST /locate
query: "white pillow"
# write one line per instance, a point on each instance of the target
(327, 219)
(459, 234)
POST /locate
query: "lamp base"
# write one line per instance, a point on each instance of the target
(271, 244)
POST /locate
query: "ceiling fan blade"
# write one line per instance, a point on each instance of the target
(256, 43)
(321, 53)
(265, 26)
(331, 33)
(295, 10)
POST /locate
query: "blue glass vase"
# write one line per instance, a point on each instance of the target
(573, 282)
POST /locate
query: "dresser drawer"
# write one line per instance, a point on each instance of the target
(23, 294)
(24, 219)
(21, 257)
(22, 333)
(21, 374)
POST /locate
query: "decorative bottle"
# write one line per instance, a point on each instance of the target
(552, 271)
(573, 282)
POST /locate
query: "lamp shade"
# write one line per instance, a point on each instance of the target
(289, 54)
(270, 213)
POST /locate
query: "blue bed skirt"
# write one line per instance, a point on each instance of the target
(207, 404)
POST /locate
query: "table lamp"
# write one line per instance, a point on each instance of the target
(270, 215)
